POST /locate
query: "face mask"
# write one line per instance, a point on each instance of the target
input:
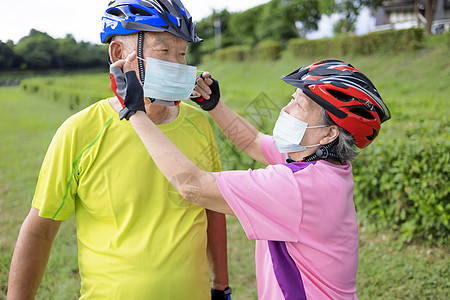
(167, 81)
(289, 132)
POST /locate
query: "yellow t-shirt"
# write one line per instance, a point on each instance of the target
(137, 237)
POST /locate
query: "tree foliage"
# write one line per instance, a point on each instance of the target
(209, 29)
(302, 14)
(243, 25)
(6, 55)
(274, 23)
(278, 20)
(39, 51)
(348, 10)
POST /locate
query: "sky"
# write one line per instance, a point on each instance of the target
(81, 18)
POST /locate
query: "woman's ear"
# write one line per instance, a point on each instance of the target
(331, 135)
(116, 51)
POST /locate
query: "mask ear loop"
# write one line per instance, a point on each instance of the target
(140, 56)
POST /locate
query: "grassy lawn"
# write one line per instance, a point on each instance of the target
(388, 269)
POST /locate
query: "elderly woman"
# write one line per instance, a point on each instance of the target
(300, 208)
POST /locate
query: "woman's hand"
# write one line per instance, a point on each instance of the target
(206, 92)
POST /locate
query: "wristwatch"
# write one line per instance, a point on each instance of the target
(227, 291)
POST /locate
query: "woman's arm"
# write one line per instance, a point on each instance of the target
(238, 130)
(172, 163)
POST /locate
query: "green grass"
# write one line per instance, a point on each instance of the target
(26, 131)
(388, 269)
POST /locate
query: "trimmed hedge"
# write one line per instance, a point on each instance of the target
(236, 53)
(403, 179)
(390, 41)
(270, 50)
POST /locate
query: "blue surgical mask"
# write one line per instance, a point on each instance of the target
(167, 81)
(288, 133)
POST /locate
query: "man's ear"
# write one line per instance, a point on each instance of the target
(116, 51)
(332, 134)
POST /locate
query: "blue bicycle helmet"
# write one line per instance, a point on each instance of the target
(124, 17)
(129, 16)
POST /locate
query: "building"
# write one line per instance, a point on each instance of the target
(402, 14)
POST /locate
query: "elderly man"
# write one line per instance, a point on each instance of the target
(137, 237)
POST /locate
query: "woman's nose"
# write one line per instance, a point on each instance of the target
(287, 108)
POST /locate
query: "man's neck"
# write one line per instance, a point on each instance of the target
(162, 114)
(158, 114)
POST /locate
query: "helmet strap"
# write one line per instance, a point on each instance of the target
(324, 152)
(140, 51)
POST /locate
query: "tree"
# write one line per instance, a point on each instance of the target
(67, 54)
(37, 50)
(6, 56)
(243, 25)
(349, 10)
(207, 31)
(286, 19)
(303, 14)
(429, 14)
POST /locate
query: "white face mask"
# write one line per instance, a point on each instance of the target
(288, 133)
(167, 81)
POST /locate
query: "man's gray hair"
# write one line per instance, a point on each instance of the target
(345, 147)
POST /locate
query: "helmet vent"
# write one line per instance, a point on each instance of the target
(339, 84)
(362, 112)
(340, 96)
(163, 6)
(367, 84)
(373, 136)
(116, 12)
(139, 11)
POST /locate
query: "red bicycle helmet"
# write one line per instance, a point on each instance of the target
(348, 96)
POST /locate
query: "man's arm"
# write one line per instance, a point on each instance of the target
(217, 249)
(31, 255)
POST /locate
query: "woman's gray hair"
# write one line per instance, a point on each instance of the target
(345, 147)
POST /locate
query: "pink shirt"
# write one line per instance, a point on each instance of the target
(303, 219)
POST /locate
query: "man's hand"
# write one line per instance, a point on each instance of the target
(127, 87)
(206, 92)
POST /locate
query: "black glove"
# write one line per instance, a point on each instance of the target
(128, 90)
(221, 295)
(214, 97)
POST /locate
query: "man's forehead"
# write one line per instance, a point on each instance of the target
(164, 37)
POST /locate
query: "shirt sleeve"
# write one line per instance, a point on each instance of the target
(267, 202)
(270, 151)
(57, 183)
